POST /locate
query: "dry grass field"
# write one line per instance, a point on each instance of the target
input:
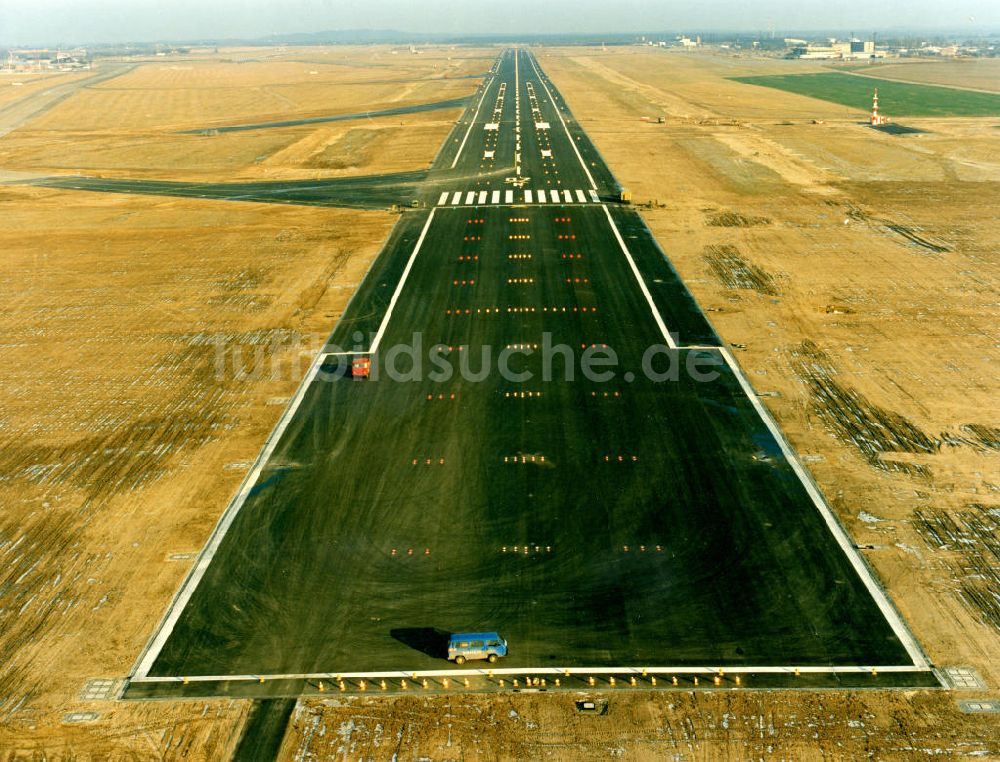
(128, 126)
(17, 85)
(120, 441)
(856, 272)
(975, 73)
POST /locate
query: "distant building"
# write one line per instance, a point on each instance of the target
(836, 50)
(43, 59)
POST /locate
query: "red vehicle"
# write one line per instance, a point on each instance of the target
(361, 367)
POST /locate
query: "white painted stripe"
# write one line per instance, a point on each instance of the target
(443, 199)
(527, 197)
(559, 114)
(509, 197)
(642, 284)
(482, 198)
(196, 573)
(554, 194)
(567, 197)
(840, 534)
(541, 196)
(580, 197)
(484, 672)
(225, 521)
(472, 122)
(469, 197)
(402, 282)
(457, 198)
(495, 198)
(594, 197)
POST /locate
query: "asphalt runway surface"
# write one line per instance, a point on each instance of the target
(361, 192)
(398, 111)
(628, 521)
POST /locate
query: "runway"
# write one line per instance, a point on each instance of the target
(644, 517)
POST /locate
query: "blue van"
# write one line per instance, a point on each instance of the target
(463, 646)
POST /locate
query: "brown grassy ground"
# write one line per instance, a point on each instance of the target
(119, 447)
(17, 85)
(120, 443)
(878, 350)
(127, 126)
(975, 73)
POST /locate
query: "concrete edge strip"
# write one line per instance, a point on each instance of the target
(563, 121)
(472, 122)
(402, 282)
(179, 603)
(485, 672)
(890, 613)
(642, 283)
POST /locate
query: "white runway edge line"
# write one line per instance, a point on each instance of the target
(642, 283)
(892, 616)
(194, 577)
(563, 121)
(840, 534)
(402, 282)
(534, 671)
(472, 122)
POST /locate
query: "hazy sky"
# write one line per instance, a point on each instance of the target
(30, 21)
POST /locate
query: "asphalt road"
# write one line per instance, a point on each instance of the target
(362, 192)
(398, 111)
(594, 523)
(18, 113)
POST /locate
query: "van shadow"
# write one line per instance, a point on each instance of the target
(428, 640)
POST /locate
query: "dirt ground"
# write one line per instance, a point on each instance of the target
(856, 273)
(641, 726)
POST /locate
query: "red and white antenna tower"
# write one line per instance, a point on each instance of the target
(876, 119)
